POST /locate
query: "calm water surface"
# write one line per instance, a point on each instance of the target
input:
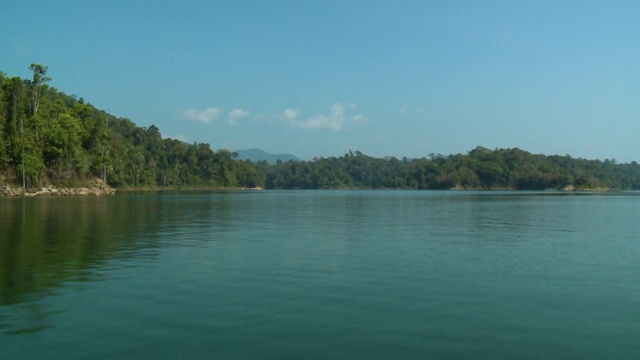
(321, 274)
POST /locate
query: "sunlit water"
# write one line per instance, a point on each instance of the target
(321, 274)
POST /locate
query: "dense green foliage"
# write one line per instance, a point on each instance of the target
(47, 137)
(481, 168)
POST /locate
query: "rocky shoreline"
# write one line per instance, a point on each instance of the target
(96, 188)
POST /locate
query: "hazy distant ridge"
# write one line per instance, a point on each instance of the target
(256, 155)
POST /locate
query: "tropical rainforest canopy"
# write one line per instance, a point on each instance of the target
(48, 137)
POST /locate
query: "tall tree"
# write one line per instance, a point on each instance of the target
(39, 78)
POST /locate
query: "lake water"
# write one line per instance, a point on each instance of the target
(321, 274)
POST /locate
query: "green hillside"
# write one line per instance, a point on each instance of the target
(50, 138)
(480, 168)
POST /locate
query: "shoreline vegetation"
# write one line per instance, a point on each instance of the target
(54, 144)
(98, 189)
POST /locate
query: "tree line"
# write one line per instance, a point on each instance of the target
(48, 137)
(480, 168)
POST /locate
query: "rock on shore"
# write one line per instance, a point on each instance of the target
(96, 188)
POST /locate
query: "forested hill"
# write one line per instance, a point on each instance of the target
(256, 155)
(57, 139)
(50, 138)
(480, 168)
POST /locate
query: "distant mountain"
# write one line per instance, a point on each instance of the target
(256, 155)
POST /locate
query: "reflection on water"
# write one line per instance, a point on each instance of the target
(44, 243)
(47, 243)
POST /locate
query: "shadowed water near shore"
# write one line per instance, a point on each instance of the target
(47, 243)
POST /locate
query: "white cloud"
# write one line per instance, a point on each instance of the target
(335, 120)
(205, 116)
(290, 115)
(236, 114)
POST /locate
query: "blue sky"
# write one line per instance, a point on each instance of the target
(318, 78)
